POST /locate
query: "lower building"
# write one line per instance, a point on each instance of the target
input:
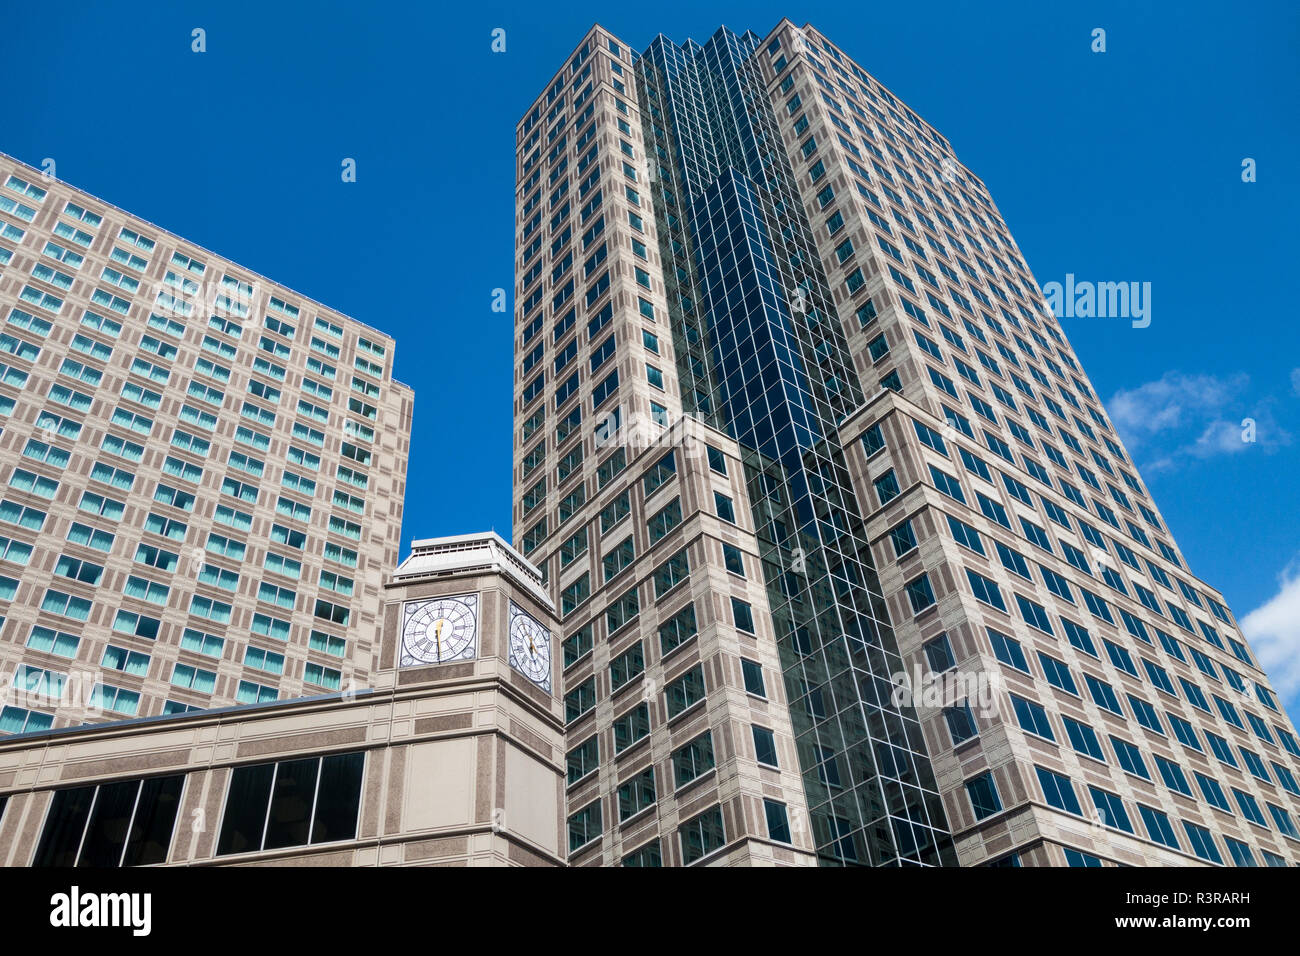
(453, 755)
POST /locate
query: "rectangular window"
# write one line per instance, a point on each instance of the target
(631, 727)
(686, 691)
(584, 826)
(702, 836)
(1059, 791)
(292, 803)
(693, 760)
(125, 823)
(678, 629)
(626, 667)
(659, 473)
(983, 793)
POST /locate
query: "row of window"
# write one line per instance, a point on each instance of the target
(675, 630)
(89, 572)
(952, 181)
(42, 684)
(569, 427)
(610, 467)
(845, 249)
(1032, 467)
(617, 558)
(92, 375)
(873, 93)
(879, 347)
(1111, 811)
(634, 725)
(127, 255)
(189, 676)
(920, 594)
(590, 213)
(270, 806)
(1032, 717)
(698, 838)
(1008, 650)
(887, 488)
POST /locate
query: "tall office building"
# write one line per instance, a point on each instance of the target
(852, 567)
(201, 472)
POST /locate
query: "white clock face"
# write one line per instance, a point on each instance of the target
(439, 630)
(530, 648)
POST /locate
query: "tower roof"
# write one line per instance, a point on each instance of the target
(461, 553)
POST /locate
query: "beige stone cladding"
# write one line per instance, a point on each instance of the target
(1002, 743)
(701, 620)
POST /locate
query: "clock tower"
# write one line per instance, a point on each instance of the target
(467, 639)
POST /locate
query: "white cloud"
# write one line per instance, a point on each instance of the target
(1180, 417)
(1220, 438)
(1172, 403)
(1273, 629)
(1295, 380)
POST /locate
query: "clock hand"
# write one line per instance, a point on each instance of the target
(437, 636)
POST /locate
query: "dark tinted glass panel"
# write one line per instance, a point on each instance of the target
(702, 835)
(339, 797)
(241, 828)
(155, 819)
(64, 825)
(109, 822)
(648, 855)
(778, 823)
(289, 821)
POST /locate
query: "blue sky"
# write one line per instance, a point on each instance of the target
(1123, 165)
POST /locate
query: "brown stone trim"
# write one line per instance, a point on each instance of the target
(119, 766)
(316, 740)
(396, 789)
(444, 723)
